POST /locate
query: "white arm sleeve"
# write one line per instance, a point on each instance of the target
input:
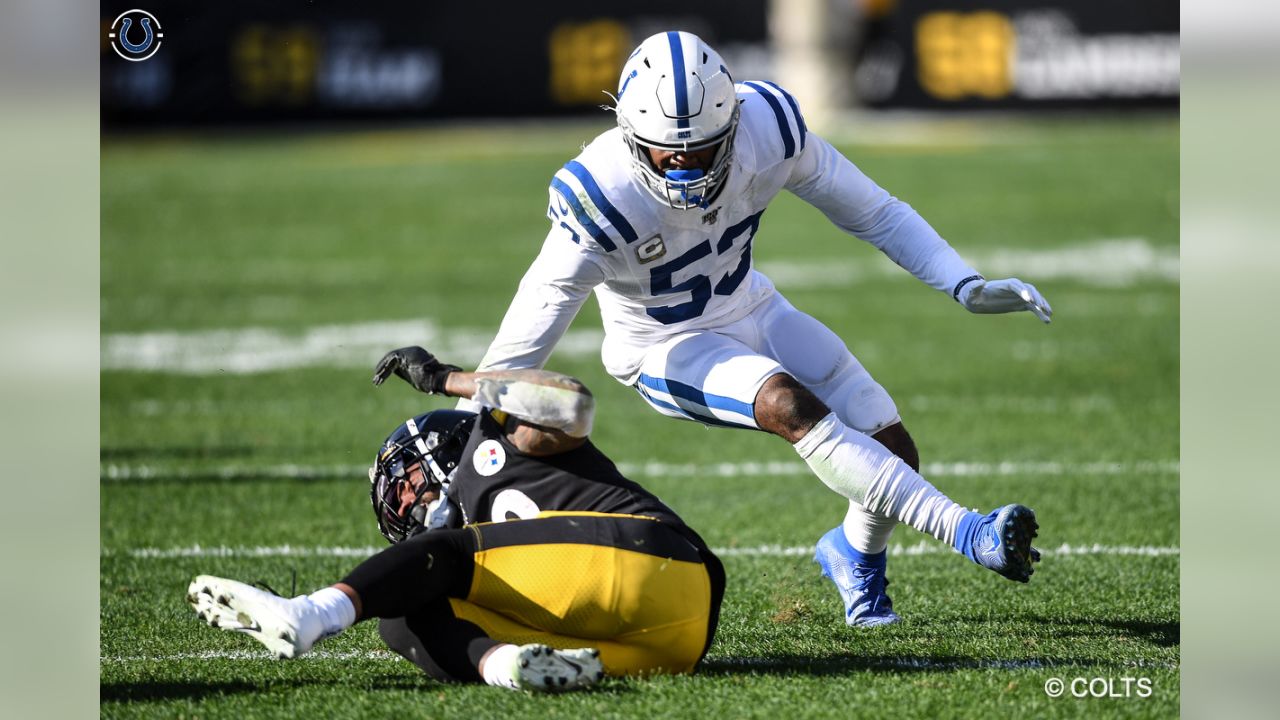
(827, 180)
(522, 395)
(549, 297)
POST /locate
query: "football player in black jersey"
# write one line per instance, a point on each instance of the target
(520, 556)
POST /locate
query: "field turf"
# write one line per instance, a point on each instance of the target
(248, 283)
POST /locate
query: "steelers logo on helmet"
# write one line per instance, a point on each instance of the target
(675, 94)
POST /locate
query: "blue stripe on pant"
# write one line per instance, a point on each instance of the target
(693, 403)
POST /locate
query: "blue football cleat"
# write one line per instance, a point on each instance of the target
(860, 579)
(1003, 542)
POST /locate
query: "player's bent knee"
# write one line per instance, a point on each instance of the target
(898, 441)
(396, 634)
(863, 404)
(786, 408)
(808, 349)
(401, 640)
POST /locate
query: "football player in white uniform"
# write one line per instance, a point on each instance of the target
(658, 215)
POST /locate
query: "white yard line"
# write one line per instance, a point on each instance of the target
(934, 548)
(915, 663)
(718, 662)
(248, 655)
(932, 469)
(1030, 404)
(767, 551)
(1112, 262)
(754, 663)
(259, 349)
(655, 469)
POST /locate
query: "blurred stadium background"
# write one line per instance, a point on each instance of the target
(289, 189)
(243, 62)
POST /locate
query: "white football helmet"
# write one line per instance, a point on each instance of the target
(676, 94)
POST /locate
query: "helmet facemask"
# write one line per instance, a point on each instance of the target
(436, 455)
(682, 189)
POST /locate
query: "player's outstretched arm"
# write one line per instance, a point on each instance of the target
(829, 181)
(540, 397)
(555, 410)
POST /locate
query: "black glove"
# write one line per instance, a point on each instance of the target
(418, 367)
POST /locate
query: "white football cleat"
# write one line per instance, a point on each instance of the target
(544, 669)
(286, 627)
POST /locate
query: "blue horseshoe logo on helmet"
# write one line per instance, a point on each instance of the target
(127, 23)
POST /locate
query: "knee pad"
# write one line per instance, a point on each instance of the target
(808, 350)
(815, 356)
(861, 403)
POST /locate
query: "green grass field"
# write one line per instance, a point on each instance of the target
(248, 285)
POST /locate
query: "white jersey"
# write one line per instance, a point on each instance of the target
(658, 272)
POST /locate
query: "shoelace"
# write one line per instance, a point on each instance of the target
(293, 585)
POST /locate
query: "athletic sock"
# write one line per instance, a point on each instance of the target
(867, 532)
(860, 558)
(863, 471)
(500, 667)
(335, 609)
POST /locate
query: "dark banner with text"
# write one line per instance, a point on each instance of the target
(1019, 54)
(236, 61)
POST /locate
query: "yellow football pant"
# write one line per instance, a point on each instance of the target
(630, 586)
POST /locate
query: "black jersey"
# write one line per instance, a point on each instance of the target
(496, 482)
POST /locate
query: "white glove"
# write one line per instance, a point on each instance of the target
(1002, 296)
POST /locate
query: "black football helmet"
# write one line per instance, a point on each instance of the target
(435, 439)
